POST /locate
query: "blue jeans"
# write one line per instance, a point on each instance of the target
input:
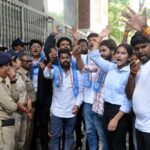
(59, 125)
(98, 121)
(88, 115)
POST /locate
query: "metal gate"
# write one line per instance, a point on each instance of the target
(18, 20)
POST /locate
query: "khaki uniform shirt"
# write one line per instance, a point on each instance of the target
(21, 87)
(8, 94)
(29, 86)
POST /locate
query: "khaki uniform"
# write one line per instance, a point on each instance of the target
(20, 117)
(29, 86)
(7, 107)
(32, 95)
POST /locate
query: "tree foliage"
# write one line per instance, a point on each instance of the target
(115, 8)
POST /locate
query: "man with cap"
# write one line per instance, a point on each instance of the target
(8, 95)
(18, 44)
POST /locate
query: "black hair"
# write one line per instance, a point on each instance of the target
(128, 48)
(82, 40)
(139, 38)
(64, 51)
(92, 35)
(36, 41)
(110, 43)
(64, 39)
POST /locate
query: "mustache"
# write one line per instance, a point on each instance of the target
(66, 62)
(35, 50)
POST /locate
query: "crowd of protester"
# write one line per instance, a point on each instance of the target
(60, 91)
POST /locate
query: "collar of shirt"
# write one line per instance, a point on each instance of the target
(66, 73)
(23, 71)
(125, 68)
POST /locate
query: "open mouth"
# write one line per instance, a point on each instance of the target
(91, 46)
(142, 56)
(119, 60)
(35, 50)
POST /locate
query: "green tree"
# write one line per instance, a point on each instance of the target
(115, 8)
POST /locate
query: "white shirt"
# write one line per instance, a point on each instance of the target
(115, 82)
(141, 98)
(63, 99)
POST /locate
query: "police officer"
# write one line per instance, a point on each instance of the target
(8, 95)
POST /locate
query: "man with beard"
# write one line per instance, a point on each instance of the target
(138, 87)
(24, 72)
(107, 49)
(93, 78)
(66, 100)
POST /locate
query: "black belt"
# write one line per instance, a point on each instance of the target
(109, 104)
(8, 122)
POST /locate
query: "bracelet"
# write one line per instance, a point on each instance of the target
(133, 74)
(146, 31)
(13, 82)
(131, 77)
(126, 34)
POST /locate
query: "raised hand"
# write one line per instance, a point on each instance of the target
(74, 33)
(52, 55)
(105, 32)
(76, 52)
(134, 67)
(56, 30)
(128, 28)
(137, 22)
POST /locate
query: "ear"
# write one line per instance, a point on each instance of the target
(129, 59)
(112, 51)
(13, 63)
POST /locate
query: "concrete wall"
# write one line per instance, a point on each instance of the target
(84, 14)
(98, 15)
(37, 4)
(71, 12)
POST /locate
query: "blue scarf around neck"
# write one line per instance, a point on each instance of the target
(58, 77)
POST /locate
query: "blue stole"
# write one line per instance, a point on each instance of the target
(87, 82)
(33, 66)
(58, 77)
(98, 83)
